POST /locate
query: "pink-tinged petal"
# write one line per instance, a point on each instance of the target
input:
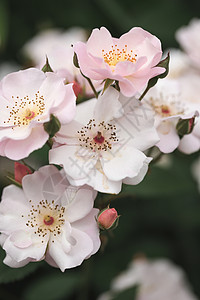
(127, 68)
(68, 134)
(49, 181)
(81, 248)
(86, 62)
(13, 206)
(22, 83)
(108, 107)
(16, 133)
(19, 254)
(127, 88)
(89, 226)
(66, 111)
(13, 263)
(189, 144)
(169, 139)
(127, 162)
(21, 239)
(19, 149)
(100, 39)
(80, 205)
(137, 179)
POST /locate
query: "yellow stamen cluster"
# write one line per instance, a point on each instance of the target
(97, 137)
(116, 55)
(24, 110)
(46, 218)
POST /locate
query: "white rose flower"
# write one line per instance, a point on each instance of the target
(48, 219)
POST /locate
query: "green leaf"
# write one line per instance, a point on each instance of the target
(53, 287)
(163, 64)
(128, 294)
(52, 126)
(47, 67)
(8, 274)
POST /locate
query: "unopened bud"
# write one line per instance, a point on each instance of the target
(108, 218)
(53, 126)
(185, 126)
(20, 171)
(77, 88)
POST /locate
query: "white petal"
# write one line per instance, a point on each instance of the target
(189, 144)
(137, 179)
(169, 141)
(126, 162)
(108, 107)
(13, 263)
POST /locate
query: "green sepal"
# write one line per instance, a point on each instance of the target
(47, 67)
(163, 64)
(75, 61)
(12, 179)
(53, 126)
(107, 83)
(185, 126)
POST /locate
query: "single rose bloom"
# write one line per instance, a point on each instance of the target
(48, 219)
(27, 100)
(131, 60)
(105, 145)
(155, 280)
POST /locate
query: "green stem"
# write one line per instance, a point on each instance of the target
(91, 85)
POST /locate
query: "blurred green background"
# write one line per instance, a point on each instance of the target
(161, 216)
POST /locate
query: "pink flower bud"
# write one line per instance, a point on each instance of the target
(108, 218)
(20, 171)
(77, 88)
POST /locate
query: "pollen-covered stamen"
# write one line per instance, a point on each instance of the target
(46, 218)
(24, 110)
(116, 55)
(98, 136)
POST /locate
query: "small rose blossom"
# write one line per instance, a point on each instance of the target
(48, 219)
(27, 100)
(165, 99)
(104, 146)
(107, 218)
(155, 280)
(189, 39)
(57, 46)
(21, 171)
(131, 59)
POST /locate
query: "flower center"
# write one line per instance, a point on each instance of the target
(48, 220)
(29, 114)
(45, 218)
(98, 137)
(167, 106)
(24, 110)
(116, 55)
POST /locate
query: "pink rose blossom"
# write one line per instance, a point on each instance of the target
(48, 219)
(27, 99)
(131, 59)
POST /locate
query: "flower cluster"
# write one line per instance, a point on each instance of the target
(95, 104)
